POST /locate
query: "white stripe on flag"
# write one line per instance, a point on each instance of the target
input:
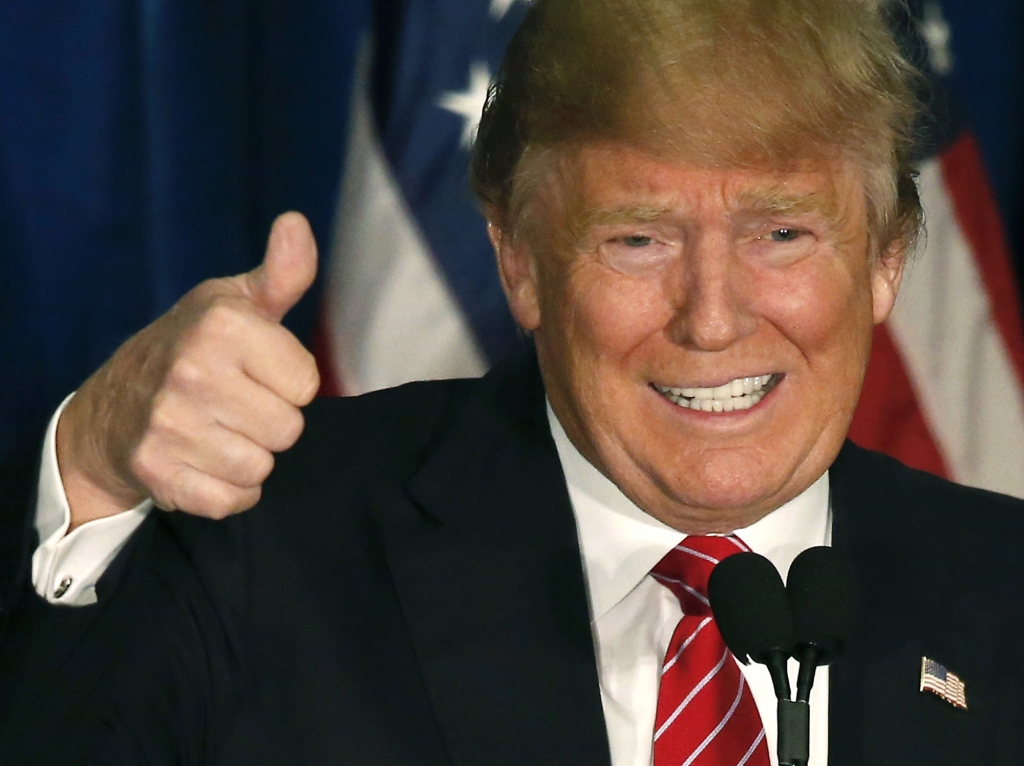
(391, 317)
(955, 355)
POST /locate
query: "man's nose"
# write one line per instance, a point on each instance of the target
(711, 298)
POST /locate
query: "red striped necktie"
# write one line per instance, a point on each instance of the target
(706, 713)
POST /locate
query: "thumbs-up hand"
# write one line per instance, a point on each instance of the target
(190, 410)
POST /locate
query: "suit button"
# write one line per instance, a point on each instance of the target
(63, 587)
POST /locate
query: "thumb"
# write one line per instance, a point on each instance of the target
(288, 268)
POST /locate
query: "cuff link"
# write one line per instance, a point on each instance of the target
(63, 587)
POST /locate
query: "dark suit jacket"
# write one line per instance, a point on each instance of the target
(409, 591)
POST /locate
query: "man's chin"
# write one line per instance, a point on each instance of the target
(727, 492)
(713, 513)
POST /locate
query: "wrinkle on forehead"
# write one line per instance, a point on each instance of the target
(833, 190)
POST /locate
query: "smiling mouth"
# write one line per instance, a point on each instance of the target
(738, 394)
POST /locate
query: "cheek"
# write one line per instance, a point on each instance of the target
(605, 314)
(594, 349)
(821, 310)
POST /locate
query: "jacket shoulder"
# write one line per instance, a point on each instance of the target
(946, 533)
(933, 495)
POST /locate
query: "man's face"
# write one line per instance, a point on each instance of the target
(702, 333)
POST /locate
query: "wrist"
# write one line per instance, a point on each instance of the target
(92, 489)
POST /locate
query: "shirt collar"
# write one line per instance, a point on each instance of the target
(620, 543)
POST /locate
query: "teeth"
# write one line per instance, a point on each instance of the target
(721, 392)
(738, 394)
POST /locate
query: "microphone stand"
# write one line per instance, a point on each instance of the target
(794, 717)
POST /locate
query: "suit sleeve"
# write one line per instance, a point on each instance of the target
(148, 675)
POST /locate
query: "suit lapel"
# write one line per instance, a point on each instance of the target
(491, 587)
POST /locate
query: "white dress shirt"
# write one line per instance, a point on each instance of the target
(632, 616)
(66, 567)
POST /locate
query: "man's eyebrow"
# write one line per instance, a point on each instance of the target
(626, 214)
(590, 217)
(766, 201)
(786, 202)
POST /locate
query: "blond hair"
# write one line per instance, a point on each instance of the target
(735, 83)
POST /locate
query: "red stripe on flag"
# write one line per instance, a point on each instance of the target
(888, 417)
(978, 217)
(324, 355)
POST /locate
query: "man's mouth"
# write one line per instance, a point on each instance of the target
(738, 394)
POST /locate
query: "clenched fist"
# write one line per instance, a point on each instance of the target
(191, 409)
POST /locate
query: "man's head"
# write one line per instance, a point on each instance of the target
(685, 194)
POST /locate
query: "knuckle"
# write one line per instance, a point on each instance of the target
(223, 315)
(186, 373)
(217, 511)
(227, 501)
(242, 464)
(200, 495)
(301, 381)
(223, 321)
(248, 498)
(256, 468)
(143, 468)
(309, 383)
(163, 419)
(289, 429)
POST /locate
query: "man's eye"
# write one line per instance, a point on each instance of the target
(785, 235)
(636, 240)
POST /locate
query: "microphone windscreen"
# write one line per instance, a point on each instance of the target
(822, 589)
(750, 606)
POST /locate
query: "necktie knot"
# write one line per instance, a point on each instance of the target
(685, 569)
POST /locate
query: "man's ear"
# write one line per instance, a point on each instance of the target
(518, 271)
(886, 275)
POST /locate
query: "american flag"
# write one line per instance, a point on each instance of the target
(412, 292)
(945, 388)
(935, 678)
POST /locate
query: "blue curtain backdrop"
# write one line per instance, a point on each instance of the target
(146, 145)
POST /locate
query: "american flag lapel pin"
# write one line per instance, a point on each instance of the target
(936, 679)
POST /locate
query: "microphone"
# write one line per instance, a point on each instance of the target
(823, 594)
(753, 615)
(763, 620)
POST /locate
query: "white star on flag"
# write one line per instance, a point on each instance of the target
(935, 30)
(500, 7)
(469, 103)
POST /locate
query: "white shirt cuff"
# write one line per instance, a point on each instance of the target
(66, 567)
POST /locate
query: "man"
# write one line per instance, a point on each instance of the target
(700, 209)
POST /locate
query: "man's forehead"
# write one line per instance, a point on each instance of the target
(621, 183)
